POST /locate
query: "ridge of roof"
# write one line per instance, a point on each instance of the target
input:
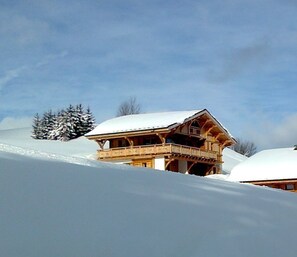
(143, 121)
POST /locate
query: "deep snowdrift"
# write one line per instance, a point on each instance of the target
(52, 207)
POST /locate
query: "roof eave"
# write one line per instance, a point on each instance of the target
(129, 133)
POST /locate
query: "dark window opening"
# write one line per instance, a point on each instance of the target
(150, 141)
(289, 187)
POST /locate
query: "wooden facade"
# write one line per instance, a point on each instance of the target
(194, 146)
(284, 184)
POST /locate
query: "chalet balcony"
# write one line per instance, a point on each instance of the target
(154, 150)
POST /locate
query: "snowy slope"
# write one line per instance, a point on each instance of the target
(57, 205)
(22, 138)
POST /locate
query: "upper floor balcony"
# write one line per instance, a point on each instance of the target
(159, 149)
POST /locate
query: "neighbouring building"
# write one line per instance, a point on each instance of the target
(184, 141)
(276, 168)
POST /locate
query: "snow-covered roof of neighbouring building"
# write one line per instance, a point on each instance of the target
(274, 164)
(231, 159)
(137, 122)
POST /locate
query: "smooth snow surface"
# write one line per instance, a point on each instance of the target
(22, 138)
(267, 165)
(51, 205)
(142, 122)
(231, 159)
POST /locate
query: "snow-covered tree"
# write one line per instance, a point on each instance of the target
(88, 121)
(72, 121)
(80, 124)
(54, 133)
(65, 125)
(47, 123)
(37, 128)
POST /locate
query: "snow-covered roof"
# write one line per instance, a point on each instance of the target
(274, 164)
(144, 121)
(231, 159)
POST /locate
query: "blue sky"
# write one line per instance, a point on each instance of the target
(236, 58)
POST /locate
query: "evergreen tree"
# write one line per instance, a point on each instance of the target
(63, 130)
(65, 125)
(54, 133)
(72, 121)
(89, 121)
(48, 121)
(37, 128)
(80, 126)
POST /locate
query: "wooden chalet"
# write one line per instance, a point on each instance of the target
(186, 141)
(275, 168)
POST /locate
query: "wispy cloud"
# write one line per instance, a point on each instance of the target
(51, 58)
(12, 122)
(272, 134)
(10, 75)
(239, 61)
(17, 72)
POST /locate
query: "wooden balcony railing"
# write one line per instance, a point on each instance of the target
(145, 150)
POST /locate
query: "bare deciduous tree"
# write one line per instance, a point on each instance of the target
(129, 106)
(243, 147)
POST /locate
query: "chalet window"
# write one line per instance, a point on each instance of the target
(289, 187)
(195, 124)
(169, 140)
(149, 141)
(194, 128)
(122, 143)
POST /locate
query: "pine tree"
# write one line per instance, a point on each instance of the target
(54, 133)
(65, 125)
(72, 121)
(37, 129)
(61, 131)
(80, 120)
(47, 123)
(89, 121)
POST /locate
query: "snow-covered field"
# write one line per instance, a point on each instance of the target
(55, 203)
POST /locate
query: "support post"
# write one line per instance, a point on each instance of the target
(167, 164)
(162, 138)
(190, 167)
(101, 143)
(130, 141)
